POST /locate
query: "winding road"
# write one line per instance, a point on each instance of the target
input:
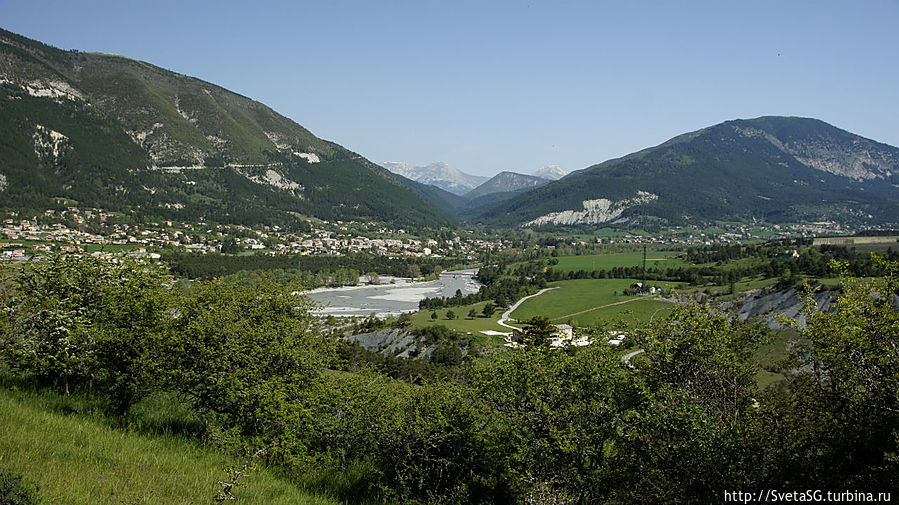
(505, 317)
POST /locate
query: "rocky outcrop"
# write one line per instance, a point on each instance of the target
(775, 308)
(394, 342)
(596, 211)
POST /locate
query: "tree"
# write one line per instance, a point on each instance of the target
(557, 418)
(434, 316)
(450, 314)
(250, 354)
(83, 319)
(844, 402)
(472, 313)
(489, 309)
(537, 332)
(691, 437)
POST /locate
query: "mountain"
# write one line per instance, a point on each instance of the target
(551, 172)
(773, 169)
(442, 175)
(111, 132)
(507, 182)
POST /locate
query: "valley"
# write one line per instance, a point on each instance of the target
(204, 301)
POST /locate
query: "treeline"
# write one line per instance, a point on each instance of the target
(814, 262)
(207, 266)
(501, 284)
(294, 279)
(684, 424)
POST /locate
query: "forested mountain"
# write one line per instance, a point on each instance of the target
(773, 169)
(107, 131)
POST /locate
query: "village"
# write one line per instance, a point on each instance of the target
(104, 233)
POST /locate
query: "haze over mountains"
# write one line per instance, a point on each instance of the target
(438, 174)
(110, 132)
(451, 179)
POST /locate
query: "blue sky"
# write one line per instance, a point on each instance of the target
(491, 86)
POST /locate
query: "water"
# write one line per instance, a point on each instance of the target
(390, 299)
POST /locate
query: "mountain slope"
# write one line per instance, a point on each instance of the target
(776, 169)
(125, 135)
(442, 175)
(507, 182)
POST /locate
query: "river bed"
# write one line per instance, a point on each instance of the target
(402, 295)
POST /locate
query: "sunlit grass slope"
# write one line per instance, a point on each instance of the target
(79, 461)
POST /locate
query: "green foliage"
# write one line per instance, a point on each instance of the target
(247, 368)
(692, 437)
(16, 490)
(250, 354)
(556, 417)
(307, 270)
(80, 320)
(844, 391)
(537, 332)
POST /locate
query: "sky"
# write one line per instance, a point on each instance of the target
(488, 86)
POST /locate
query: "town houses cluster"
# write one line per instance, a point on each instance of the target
(74, 230)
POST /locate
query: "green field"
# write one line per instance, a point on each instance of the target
(82, 461)
(589, 300)
(608, 261)
(626, 315)
(463, 323)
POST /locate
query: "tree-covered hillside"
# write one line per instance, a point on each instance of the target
(774, 169)
(111, 132)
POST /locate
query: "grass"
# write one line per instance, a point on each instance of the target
(463, 323)
(80, 460)
(770, 354)
(608, 261)
(626, 315)
(579, 295)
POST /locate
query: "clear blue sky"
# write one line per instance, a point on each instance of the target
(490, 86)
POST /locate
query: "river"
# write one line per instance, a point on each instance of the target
(390, 299)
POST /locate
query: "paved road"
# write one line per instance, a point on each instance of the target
(505, 317)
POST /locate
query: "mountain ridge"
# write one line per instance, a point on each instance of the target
(771, 168)
(185, 148)
(439, 174)
(507, 182)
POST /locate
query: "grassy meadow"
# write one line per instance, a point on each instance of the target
(81, 460)
(590, 300)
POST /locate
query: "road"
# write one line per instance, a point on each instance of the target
(505, 317)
